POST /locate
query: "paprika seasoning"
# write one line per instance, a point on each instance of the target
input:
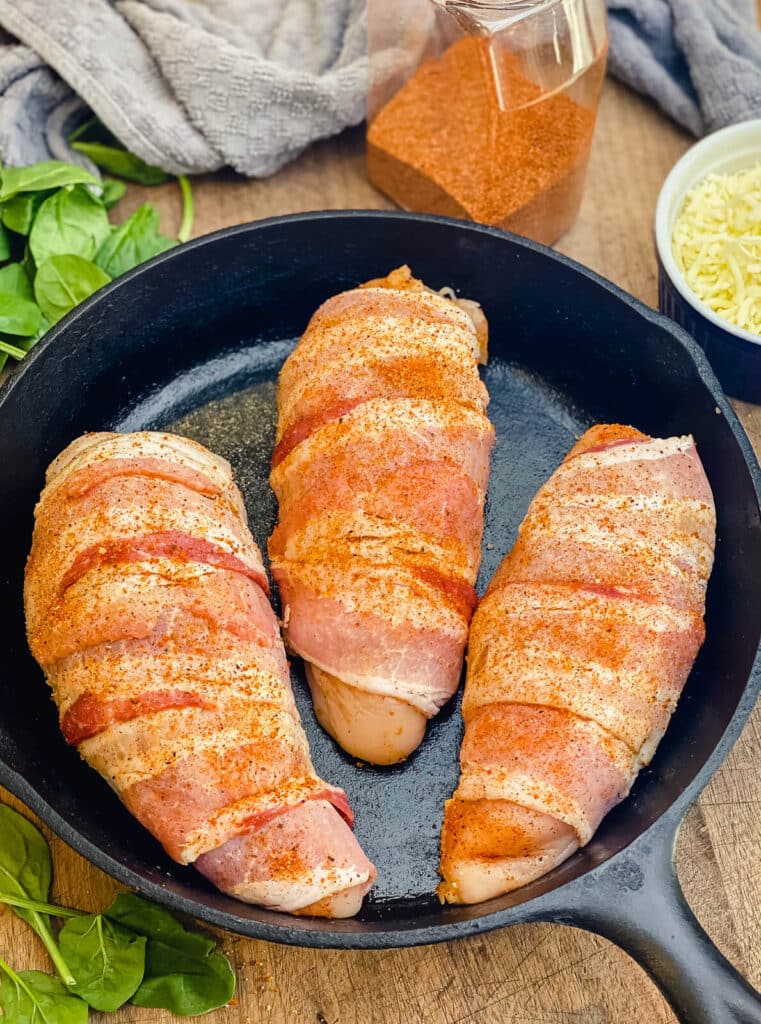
(470, 135)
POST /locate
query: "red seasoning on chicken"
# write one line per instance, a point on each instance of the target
(146, 604)
(381, 467)
(578, 654)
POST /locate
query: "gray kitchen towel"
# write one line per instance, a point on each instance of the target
(700, 60)
(193, 85)
(188, 85)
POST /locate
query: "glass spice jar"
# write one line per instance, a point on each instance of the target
(485, 109)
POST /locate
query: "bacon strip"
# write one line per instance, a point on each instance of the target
(94, 476)
(146, 604)
(380, 471)
(336, 797)
(88, 715)
(306, 426)
(578, 655)
(460, 594)
(170, 544)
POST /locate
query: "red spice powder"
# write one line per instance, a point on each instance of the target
(443, 144)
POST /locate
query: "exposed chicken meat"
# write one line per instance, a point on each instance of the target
(380, 469)
(146, 605)
(578, 654)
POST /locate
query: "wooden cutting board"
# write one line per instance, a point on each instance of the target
(532, 974)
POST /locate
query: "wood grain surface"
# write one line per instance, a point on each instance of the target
(533, 974)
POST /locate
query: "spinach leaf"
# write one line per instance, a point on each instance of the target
(46, 174)
(85, 128)
(133, 242)
(26, 870)
(71, 221)
(182, 973)
(113, 191)
(27, 262)
(117, 160)
(168, 938)
(7, 348)
(44, 908)
(107, 960)
(25, 865)
(72, 250)
(188, 210)
(17, 348)
(209, 984)
(18, 213)
(14, 279)
(17, 315)
(62, 282)
(28, 343)
(31, 997)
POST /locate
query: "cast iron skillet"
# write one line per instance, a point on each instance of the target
(211, 323)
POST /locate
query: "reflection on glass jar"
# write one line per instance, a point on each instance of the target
(485, 109)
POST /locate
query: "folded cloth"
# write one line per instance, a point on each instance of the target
(700, 60)
(188, 85)
(193, 85)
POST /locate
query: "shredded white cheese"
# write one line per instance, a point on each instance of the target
(717, 245)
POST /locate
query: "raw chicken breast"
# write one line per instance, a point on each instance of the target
(146, 604)
(578, 654)
(380, 469)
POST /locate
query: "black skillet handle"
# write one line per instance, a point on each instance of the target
(637, 903)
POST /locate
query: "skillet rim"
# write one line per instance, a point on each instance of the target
(543, 906)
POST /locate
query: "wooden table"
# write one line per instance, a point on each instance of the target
(532, 974)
